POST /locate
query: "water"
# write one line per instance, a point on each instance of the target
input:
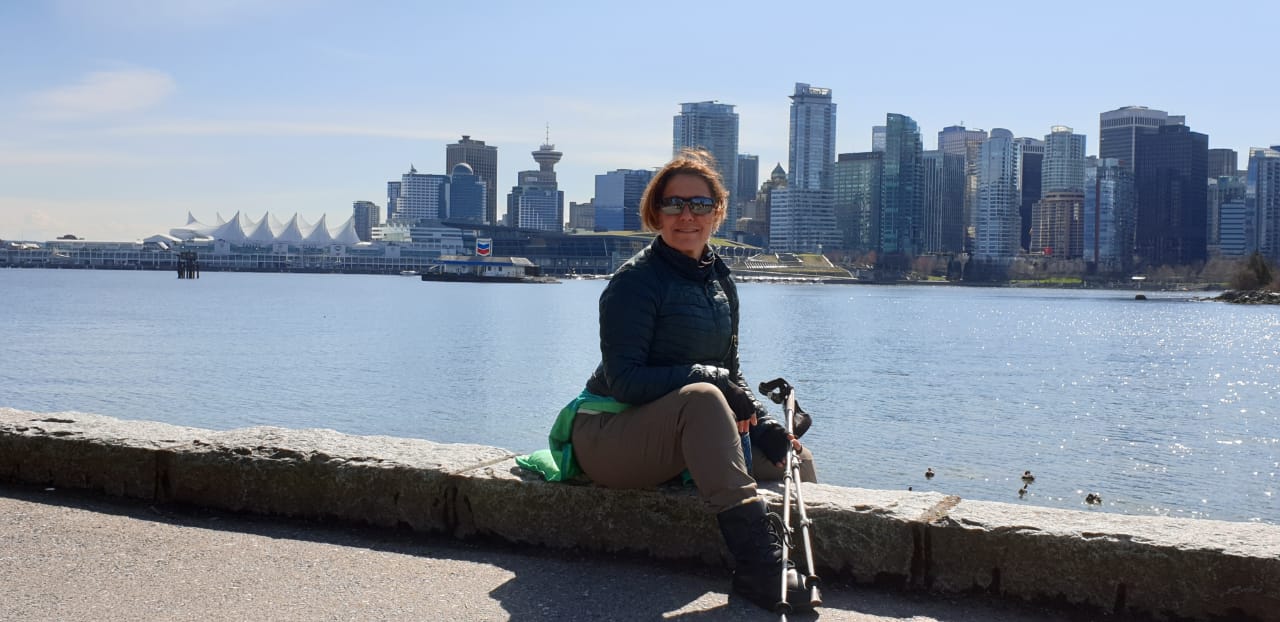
(1167, 406)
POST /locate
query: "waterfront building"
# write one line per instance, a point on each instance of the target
(421, 196)
(748, 180)
(996, 218)
(959, 140)
(468, 195)
(901, 188)
(1032, 172)
(755, 213)
(1056, 218)
(393, 195)
(1063, 168)
(1263, 198)
(1057, 227)
(1171, 166)
(536, 202)
(879, 134)
(712, 126)
(943, 191)
(1237, 229)
(1109, 215)
(1223, 163)
(582, 216)
(802, 215)
(857, 199)
(617, 199)
(365, 215)
(483, 160)
(1119, 129)
(1222, 190)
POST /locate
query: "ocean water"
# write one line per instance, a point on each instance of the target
(1167, 406)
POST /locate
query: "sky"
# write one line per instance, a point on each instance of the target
(118, 117)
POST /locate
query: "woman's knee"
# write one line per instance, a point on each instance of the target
(704, 403)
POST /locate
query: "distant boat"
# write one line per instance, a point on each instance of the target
(408, 273)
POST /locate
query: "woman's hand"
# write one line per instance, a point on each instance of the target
(745, 426)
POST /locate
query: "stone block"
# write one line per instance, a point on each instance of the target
(504, 501)
(322, 474)
(871, 535)
(86, 451)
(1165, 567)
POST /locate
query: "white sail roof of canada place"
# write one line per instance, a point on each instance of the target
(243, 229)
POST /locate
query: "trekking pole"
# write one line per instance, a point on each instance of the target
(779, 391)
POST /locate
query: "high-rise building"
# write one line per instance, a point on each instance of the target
(1031, 150)
(536, 201)
(959, 140)
(857, 199)
(468, 196)
(996, 218)
(748, 179)
(420, 197)
(617, 199)
(1171, 167)
(393, 196)
(582, 216)
(1263, 198)
(802, 215)
(944, 185)
(483, 160)
(712, 126)
(1223, 163)
(1237, 229)
(1109, 213)
(902, 187)
(1057, 226)
(1119, 130)
(1063, 168)
(366, 217)
(879, 134)
(1223, 190)
(756, 211)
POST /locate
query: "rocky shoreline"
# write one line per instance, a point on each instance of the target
(1249, 297)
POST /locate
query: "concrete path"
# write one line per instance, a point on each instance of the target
(70, 556)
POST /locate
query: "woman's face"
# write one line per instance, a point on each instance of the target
(687, 232)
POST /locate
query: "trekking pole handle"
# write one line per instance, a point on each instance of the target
(777, 390)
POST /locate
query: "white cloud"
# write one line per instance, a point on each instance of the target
(41, 158)
(104, 93)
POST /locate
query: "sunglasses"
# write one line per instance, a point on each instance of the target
(674, 206)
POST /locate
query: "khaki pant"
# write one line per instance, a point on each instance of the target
(690, 428)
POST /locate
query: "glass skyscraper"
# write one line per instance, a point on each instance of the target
(483, 160)
(712, 126)
(857, 199)
(902, 187)
(802, 215)
(1171, 168)
(996, 217)
(1263, 198)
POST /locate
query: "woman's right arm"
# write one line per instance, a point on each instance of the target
(629, 309)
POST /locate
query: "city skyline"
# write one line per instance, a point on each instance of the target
(128, 115)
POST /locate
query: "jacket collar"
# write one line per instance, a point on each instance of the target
(710, 266)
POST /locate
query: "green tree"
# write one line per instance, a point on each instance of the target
(1256, 274)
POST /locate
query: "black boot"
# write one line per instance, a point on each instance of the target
(757, 553)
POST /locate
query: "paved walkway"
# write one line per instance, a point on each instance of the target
(71, 556)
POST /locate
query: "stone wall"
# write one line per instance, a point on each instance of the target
(1162, 567)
